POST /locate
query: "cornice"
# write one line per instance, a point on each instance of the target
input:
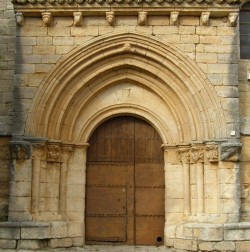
(78, 9)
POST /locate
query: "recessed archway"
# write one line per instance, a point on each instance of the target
(126, 73)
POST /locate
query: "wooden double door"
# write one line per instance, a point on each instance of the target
(125, 184)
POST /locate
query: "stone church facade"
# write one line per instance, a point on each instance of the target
(125, 122)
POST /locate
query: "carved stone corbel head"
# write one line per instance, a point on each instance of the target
(142, 17)
(77, 19)
(110, 17)
(19, 19)
(47, 18)
(20, 150)
(232, 19)
(174, 16)
(212, 153)
(205, 18)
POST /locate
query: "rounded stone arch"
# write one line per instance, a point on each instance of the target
(126, 73)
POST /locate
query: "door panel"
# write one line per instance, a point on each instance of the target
(125, 183)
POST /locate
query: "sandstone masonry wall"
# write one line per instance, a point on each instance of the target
(244, 91)
(7, 62)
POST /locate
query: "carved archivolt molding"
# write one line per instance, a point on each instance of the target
(60, 2)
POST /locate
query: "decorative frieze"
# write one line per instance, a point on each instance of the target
(20, 150)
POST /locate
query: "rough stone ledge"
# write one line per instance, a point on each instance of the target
(23, 224)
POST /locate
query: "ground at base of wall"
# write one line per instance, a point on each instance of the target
(101, 248)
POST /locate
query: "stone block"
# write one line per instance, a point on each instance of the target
(31, 244)
(59, 229)
(44, 41)
(233, 235)
(208, 31)
(207, 246)
(206, 57)
(189, 20)
(158, 20)
(77, 241)
(75, 229)
(9, 233)
(225, 246)
(44, 50)
(60, 243)
(162, 30)
(185, 244)
(20, 204)
(243, 246)
(36, 232)
(210, 233)
(7, 244)
(190, 39)
(64, 49)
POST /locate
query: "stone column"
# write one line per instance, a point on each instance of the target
(38, 152)
(197, 156)
(66, 152)
(184, 151)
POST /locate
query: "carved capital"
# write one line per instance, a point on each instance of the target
(197, 154)
(230, 152)
(212, 152)
(142, 18)
(232, 19)
(184, 155)
(47, 18)
(19, 18)
(20, 150)
(53, 152)
(205, 18)
(110, 17)
(77, 19)
(38, 150)
(174, 16)
(66, 152)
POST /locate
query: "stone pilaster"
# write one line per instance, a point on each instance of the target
(184, 151)
(197, 158)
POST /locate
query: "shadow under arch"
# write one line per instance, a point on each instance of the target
(162, 81)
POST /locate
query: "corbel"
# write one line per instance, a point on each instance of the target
(110, 17)
(232, 19)
(142, 18)
(77, 19)
(174, 15)
(205, 18)
(47, 18)
(19, 18)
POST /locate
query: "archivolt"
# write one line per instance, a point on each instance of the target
(126, 74)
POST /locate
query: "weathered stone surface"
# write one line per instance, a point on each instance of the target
(36, 232)
(10, 233)
(60, 243)
(31, 244)
(7, 244)
(59, 229)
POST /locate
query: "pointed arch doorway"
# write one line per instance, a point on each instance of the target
(125, 184)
